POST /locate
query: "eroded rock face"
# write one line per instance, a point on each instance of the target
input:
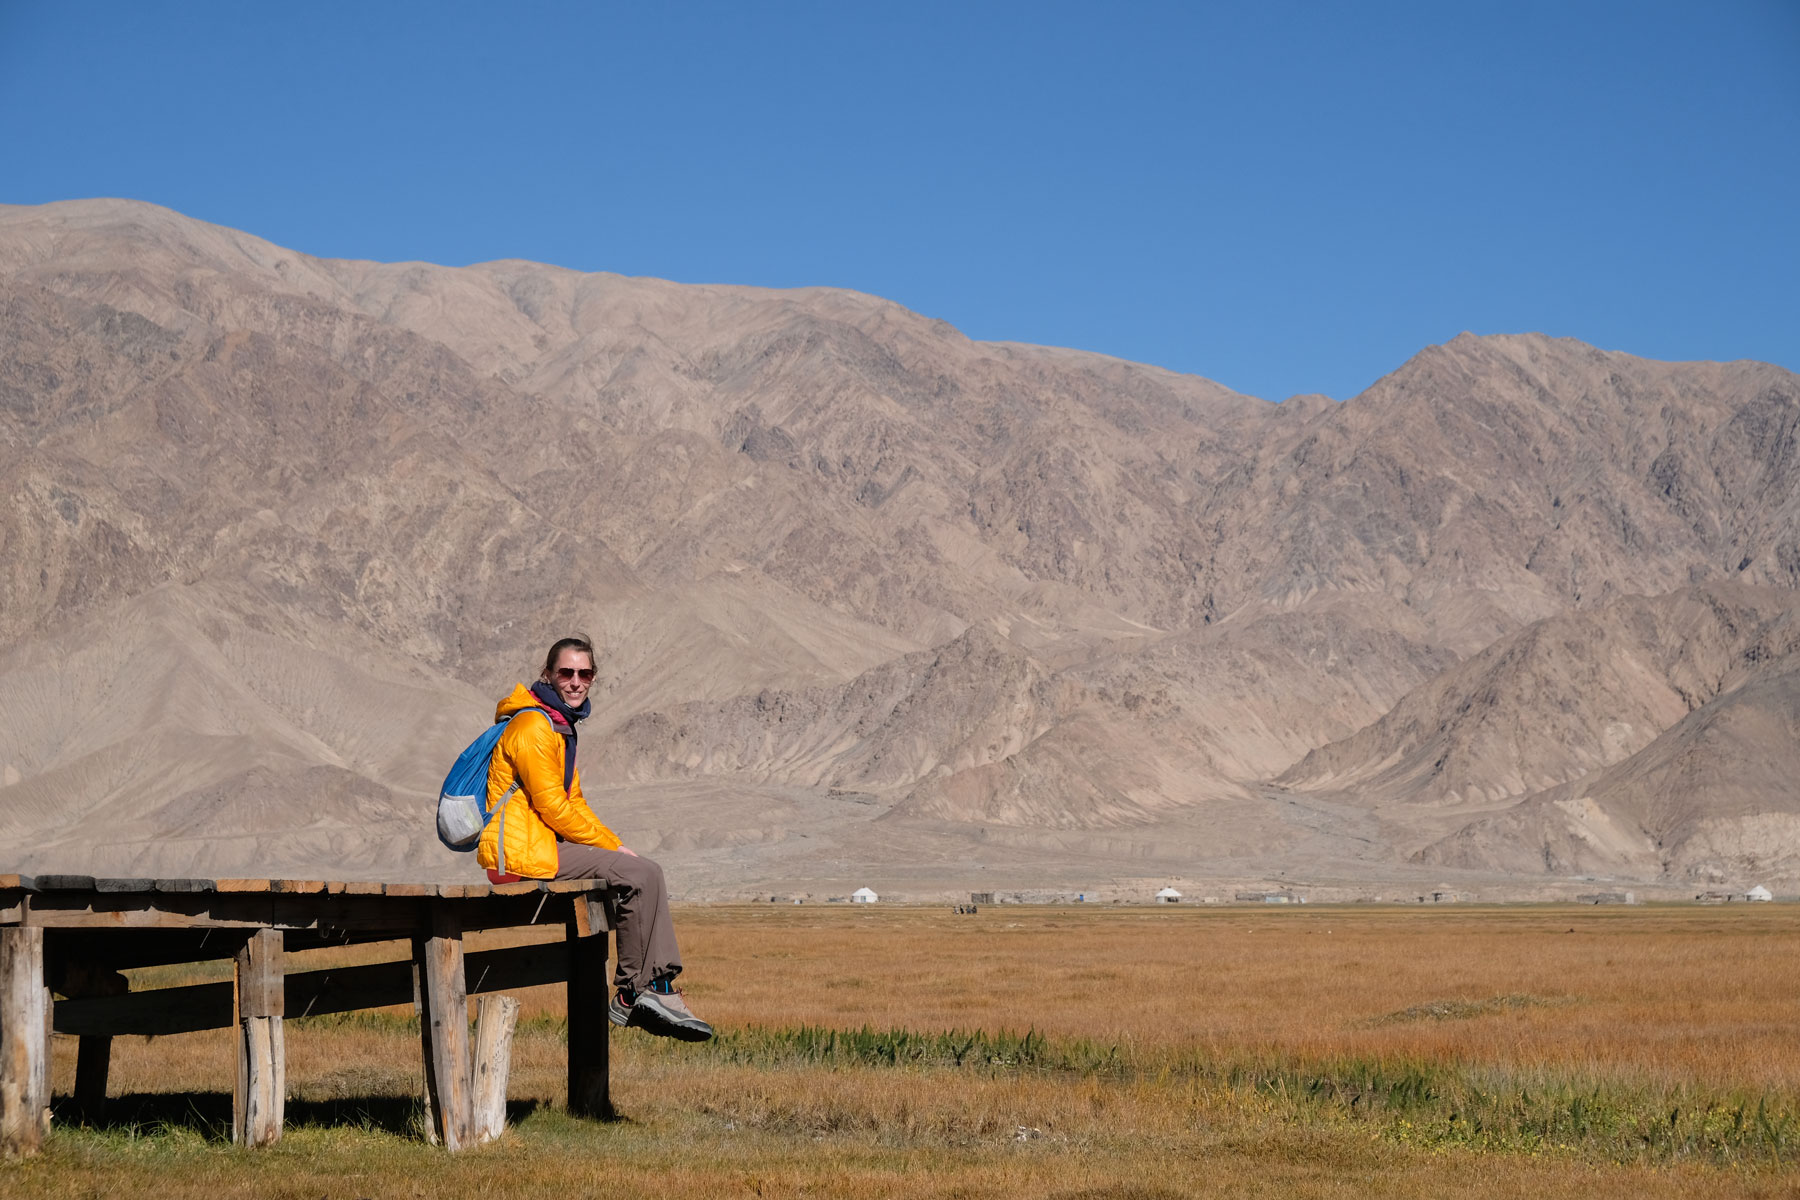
(275, 531)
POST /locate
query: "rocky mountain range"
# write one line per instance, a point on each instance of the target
(880, 604)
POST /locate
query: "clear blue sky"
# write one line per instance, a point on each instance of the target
(1281, 196)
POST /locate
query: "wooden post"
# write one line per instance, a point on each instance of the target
(444, 1028)
(24, 1046)
(590, 1093)
(261, 1093)
(496, 1018)
(422, 1006)
(93, 1056)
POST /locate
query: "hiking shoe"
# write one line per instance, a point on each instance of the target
(618, 1009)
(666, 1014)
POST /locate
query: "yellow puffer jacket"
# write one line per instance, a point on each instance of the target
(526, 827)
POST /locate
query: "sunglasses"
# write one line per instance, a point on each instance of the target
(585, 674)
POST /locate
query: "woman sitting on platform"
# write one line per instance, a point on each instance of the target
(542, 828)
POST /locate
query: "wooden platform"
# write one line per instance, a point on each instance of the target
(72, 936)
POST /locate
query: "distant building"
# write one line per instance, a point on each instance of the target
(981, 897)
(1759, 892)
(1168, 896)
(863, 896)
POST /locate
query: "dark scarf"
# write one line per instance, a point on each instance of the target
(548, 697)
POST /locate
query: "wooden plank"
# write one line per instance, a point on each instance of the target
(185, 886)
(8, 882)
(257, 1102)
(24, 1050)
(200, 1006)
(81, 962)
(410, 889)
(110, 886)
(152, 1013)
(444, 1028)
(495, 1022)
(65, 883)
(589, 1088)
(400, 917)
(297, 887)
(243, 885)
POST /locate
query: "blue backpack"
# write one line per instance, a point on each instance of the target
(462, 809)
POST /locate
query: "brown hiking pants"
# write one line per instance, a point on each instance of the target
(640, 905)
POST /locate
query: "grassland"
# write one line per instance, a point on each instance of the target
(1360, 1051)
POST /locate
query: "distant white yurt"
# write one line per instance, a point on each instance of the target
(863, 896)
(1759, 892)
(1168, 896)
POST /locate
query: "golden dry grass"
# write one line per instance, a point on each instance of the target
(1189, 1052)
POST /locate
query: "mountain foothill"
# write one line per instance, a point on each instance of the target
(878, 603)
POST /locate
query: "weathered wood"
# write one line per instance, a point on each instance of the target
(64, 883)
(257, 1103)
(444, 1028)
(297, 887)
(24, 1049)
(259, 1099)
(422, 1006)
(589, 1089)
(124, 885)
(495, 1021)
(260, 972)
(92, 928)
(198, 1006)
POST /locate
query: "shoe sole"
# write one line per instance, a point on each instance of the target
(678, 1030)
(651, 1019)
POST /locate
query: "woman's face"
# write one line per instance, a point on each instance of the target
(572, 675)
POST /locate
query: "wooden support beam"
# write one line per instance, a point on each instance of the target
(261, 1093)
(590, 1093)
(496, 1018)
(444, 1027)
(24, 1048)
(93, 1055)
(199, 1006)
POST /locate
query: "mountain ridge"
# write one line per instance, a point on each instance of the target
(1097, 599)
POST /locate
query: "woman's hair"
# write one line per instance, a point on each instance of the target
(577, 642)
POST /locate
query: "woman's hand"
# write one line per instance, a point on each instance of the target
(624, 849)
